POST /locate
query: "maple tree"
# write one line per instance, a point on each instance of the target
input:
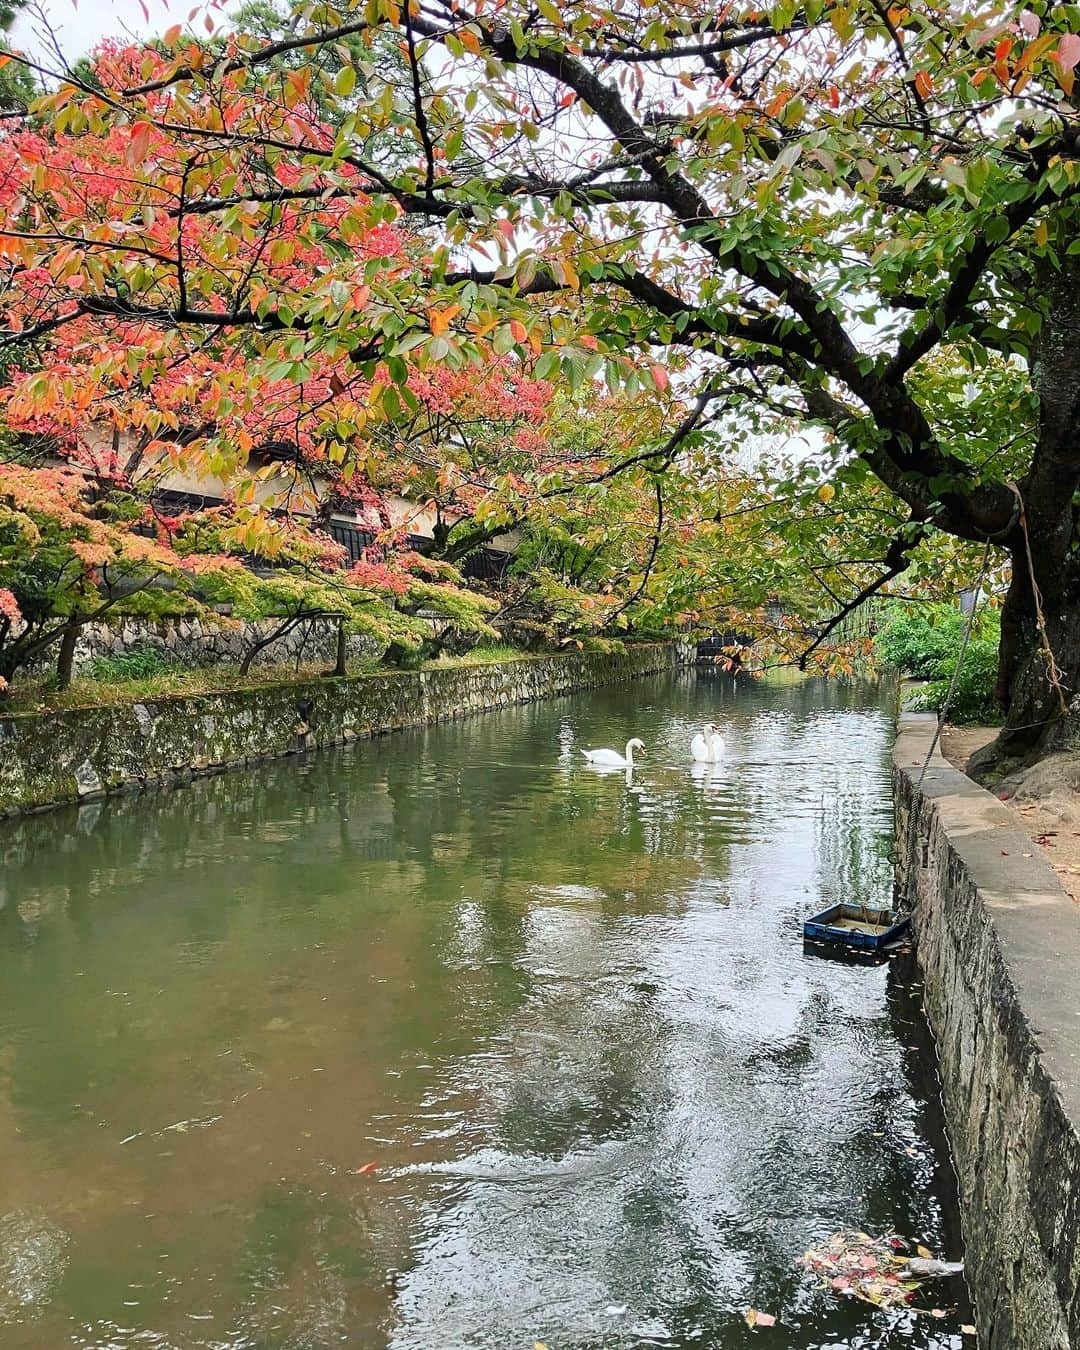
(792, 213)
(65, 562)
(390, 597)
(809, 530)
(70, 556)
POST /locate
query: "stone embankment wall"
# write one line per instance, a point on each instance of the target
(191, 642)
(88, 753)
(998, 941)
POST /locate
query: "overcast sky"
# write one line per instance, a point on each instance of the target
(81, 25)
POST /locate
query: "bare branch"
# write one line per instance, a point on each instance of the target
(896, 560)
(254, 58)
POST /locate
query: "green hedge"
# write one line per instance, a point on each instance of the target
(924, 642)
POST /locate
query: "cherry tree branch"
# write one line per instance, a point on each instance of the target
(896, 560)
(259, 56)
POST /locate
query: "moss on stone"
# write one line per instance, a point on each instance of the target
(84, 753)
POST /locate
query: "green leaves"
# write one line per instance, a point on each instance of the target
(809, 220)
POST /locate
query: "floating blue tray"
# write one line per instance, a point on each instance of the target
(857, 926)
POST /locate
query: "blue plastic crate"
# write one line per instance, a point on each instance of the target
(857, 926)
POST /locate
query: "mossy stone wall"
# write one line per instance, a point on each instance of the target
(86, 753)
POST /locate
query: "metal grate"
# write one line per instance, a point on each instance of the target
(352, 538)
(486, 564)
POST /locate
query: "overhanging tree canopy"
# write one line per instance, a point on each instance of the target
(794, 208)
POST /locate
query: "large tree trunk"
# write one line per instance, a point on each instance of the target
(1035, 721)
(1035, 724)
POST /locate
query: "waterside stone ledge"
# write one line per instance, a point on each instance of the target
(998, 941)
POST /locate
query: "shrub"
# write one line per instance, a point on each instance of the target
(494, 651)
(973, 699)
(140, 662)
(926, 644)
(916, 641)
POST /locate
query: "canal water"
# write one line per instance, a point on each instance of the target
(448, 1040)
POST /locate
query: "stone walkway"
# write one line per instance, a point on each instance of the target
(1052, 822)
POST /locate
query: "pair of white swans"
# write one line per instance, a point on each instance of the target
(707, 747)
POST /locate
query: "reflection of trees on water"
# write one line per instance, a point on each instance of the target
(497, 800)
(854, 840)
(307, 1259)
(692, 1119)
(463, 944)
(516, 811)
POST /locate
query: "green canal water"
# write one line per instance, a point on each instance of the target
(449, 1040)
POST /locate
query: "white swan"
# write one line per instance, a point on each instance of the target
(612, 759)
(708, 747)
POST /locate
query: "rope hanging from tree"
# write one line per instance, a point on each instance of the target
(1052, 671)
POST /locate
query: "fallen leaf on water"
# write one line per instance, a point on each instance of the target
(967, 1329)
(1004, 852)
(925, 1253)
(759, 1319)
(859, 1266)
(365, 1170)
(938, 1312)
(539, 1345)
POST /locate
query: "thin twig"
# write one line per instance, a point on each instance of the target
(896, 561)
(658, 485)
(418, 103)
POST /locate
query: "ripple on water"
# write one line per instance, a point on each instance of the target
(33, 1257)
(495, 1049)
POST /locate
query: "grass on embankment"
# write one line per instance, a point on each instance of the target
(112, 683)
(487, 653)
